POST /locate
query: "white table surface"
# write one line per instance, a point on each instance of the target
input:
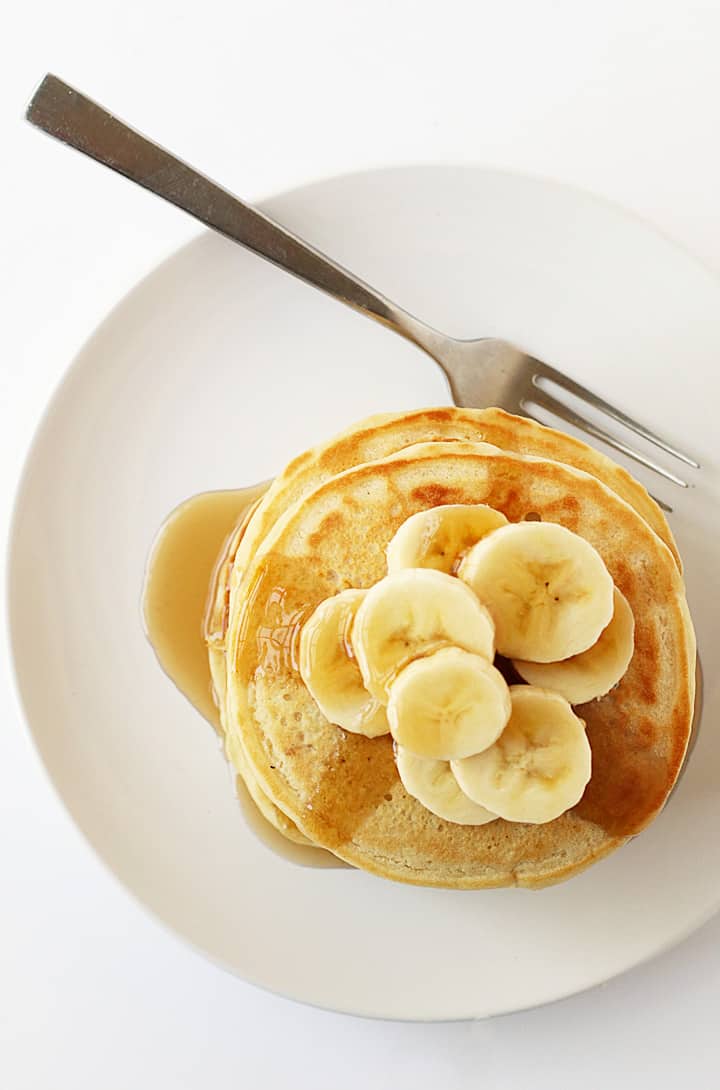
(621, 97)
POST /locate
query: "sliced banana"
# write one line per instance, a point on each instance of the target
(440, 536)
(433, 784)
(593, 673)
(329, 670)
(448, 705)
(547, 589)
(411, 613)
(539, 766)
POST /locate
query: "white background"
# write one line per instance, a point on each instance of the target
(622, 98)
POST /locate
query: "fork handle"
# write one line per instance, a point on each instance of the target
(76, 120)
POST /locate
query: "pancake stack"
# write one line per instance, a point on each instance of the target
(552, 680)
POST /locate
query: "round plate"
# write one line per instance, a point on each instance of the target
(212, 373)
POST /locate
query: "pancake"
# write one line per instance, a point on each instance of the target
(375, 436)
(215, 630)
(342, 791)
(380, 436)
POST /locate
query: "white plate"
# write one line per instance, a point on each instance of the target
(213, 372)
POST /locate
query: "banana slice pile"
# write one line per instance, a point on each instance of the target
(415, 656)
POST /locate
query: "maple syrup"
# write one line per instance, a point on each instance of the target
(177, 578)
(176, 607)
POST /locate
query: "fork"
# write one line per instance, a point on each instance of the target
(479, 372)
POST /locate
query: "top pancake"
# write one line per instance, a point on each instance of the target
(342, 790)
(380, 436)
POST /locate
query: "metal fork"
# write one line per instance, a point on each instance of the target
(480, 372)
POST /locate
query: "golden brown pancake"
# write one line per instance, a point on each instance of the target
(376, 436)
(216, 619)
(380, 436)
(341, 790)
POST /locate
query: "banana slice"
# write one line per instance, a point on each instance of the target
(329, 670)
(593, 673)
(411, 613)
(539, 766)
(439, 537)
(448, 705)
(547, 589)
(432, 783)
